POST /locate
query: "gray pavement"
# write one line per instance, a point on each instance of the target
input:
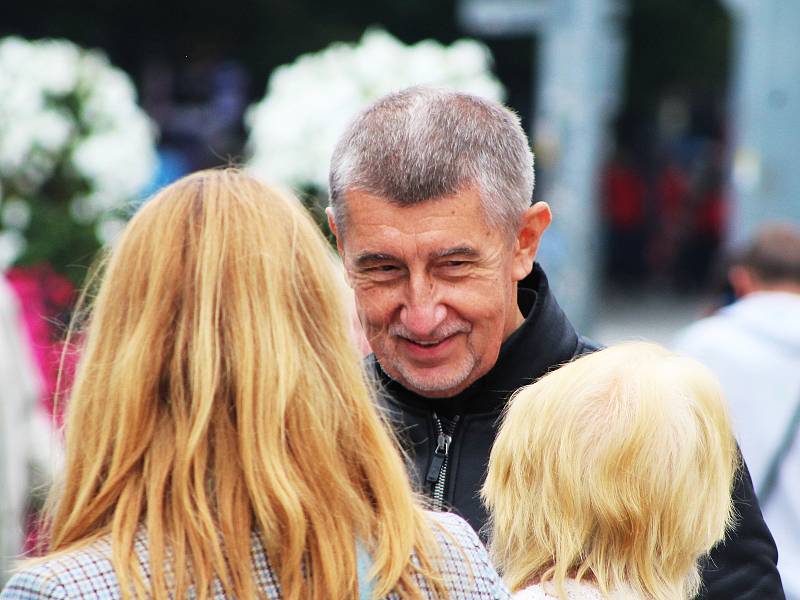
(648, 315)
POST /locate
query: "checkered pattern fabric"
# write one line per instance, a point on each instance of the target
(87, 573)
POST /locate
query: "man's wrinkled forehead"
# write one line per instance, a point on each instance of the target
(353, 195)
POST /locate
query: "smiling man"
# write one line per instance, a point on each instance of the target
(436, 286)
(431, 207)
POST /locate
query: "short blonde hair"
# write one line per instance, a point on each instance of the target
(617, 467)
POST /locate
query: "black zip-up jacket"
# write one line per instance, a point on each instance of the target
(743, 567)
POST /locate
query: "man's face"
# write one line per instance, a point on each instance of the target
(435, 287)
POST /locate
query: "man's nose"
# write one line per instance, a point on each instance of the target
(423, 310)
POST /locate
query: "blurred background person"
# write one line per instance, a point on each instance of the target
(611, 477)
(28, 449)
(753, 346)
(221, 438)
(625, 224)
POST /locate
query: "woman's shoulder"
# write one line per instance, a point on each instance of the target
(457, 540)
(454, 526)
(464, 562)
(86, 572)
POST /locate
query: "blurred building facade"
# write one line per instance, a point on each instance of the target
(765, 175)
(687, 194)
(579, 58)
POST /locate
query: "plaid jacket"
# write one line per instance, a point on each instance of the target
(87, 573)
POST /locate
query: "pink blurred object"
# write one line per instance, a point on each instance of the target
(46, 298)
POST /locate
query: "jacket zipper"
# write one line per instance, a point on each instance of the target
(437, 471)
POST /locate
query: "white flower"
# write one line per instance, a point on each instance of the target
(108, 230)
(51, 130)
(15, 55)
(16, 143)
(12, 244)
(31, 145)
(110, 95)
(87, 208)
(56, 66)
(308, 103)
(16, 213)
(67, 112)
(118, 161)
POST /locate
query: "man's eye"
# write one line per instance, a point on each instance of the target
(454, 264)
(382, 271)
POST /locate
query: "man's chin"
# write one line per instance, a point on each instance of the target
(432, 385)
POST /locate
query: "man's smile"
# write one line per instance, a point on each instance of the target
(426, 349)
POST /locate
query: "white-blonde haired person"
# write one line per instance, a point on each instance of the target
(221, 439)
(611, 478)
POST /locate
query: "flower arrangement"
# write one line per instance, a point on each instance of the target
(308, 103)
(75, 149)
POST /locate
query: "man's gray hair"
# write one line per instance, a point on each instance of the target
(424, 143)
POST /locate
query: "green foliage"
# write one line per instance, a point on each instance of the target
(54, 238)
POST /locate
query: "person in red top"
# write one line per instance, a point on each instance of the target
(624, 193)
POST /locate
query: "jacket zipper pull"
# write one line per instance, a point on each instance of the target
(437, 460)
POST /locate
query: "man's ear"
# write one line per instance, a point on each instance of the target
(743, 281)
(332, 225)
(533, 224)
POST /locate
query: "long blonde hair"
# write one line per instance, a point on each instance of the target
(219, 393)
(616, 467)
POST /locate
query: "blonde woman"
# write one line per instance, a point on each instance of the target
(611, 478)
(221, 438)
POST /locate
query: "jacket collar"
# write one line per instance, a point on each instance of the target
(544, 340)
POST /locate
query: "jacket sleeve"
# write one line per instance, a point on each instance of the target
(744, 566)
